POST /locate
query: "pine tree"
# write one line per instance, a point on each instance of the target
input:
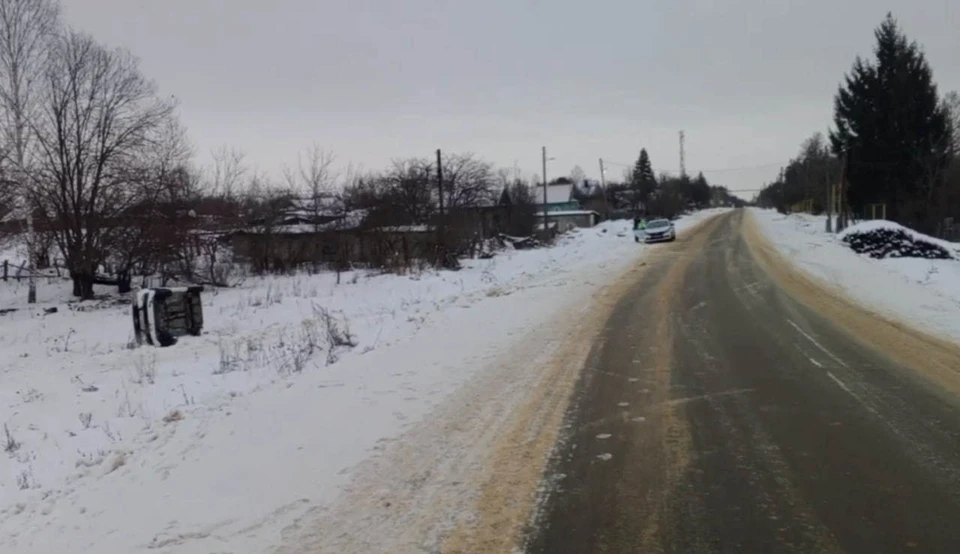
(951, 110)
(642, 181)
(892, 127)
(700, 191)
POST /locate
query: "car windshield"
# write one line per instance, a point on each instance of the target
(658, 223)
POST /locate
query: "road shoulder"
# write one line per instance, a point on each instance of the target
(465, 477)
(933, 359)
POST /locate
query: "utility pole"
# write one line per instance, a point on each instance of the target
(31, 238)
(440, 179)
(544, 189)
(23, 204)
(683, 162)
(829, 205)
(440, 252)
(841, 221)
(603, 190)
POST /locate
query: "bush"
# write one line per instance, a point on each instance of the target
(11, 445)
(337, 332)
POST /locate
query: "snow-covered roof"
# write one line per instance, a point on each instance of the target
(568, 212)
(295, 225)
(405, 228)
(556, 194)
(309, 204)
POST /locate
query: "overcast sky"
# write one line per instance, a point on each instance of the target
(747, 80)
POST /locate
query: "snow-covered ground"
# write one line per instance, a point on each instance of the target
(924, 293)
(230, 441)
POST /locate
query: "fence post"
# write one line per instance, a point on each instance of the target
(6, 266)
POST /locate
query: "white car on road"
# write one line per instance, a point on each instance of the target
(657, 230)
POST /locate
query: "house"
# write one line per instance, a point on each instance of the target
(297, 235)
(570, 219)
(593, 197)
(559, 198)
(563, 210)
(491, 218)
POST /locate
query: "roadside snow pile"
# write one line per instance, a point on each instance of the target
(924, 292)
(885, 239)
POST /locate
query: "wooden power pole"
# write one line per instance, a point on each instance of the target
(440, 247)
(829, 206)
(841, 218)
(544, 189)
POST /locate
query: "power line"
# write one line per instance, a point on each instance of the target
(742, 168)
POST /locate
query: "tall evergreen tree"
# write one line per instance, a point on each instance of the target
(951, 109)
(642, 181)
(892, 126)
(700, 191)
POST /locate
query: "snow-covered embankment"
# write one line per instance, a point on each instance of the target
(922, 292)
(243, 439)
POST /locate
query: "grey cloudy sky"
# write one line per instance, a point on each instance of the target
(747, 80)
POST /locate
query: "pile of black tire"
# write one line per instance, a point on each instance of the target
(895, 243)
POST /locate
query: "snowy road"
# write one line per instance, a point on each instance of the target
(732, 405)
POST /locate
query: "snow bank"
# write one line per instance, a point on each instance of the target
(220, 443)
(886, 239)
(922, 292)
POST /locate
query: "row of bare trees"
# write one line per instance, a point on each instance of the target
(87, 139)
(94, 158)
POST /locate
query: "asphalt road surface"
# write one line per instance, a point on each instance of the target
(722, 411)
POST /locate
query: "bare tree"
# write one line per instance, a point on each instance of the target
(407, 193)
(228, 172)
(468, 181)
(100, 116)
(152, 233)
(577, 175)
(26, 30)
(314, 178)
(504, 177)
(8, 197)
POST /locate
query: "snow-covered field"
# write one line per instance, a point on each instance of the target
(235, 440)
(925, 293)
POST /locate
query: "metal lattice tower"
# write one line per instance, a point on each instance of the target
(683, 163)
